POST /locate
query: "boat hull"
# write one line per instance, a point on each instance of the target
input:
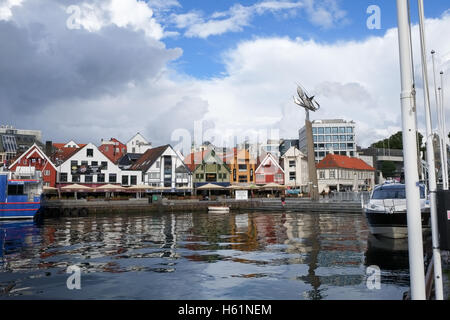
(393, 225)
(19, 210)
(219, 209)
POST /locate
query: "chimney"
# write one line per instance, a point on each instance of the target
(48, 148)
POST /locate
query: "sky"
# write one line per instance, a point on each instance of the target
(221, 70)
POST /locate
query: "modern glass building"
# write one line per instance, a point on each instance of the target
(330, 136)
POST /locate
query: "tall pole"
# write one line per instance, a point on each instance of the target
(438, 108)
(415, 242)
(312, 171)
(430, 162)
(444, 132)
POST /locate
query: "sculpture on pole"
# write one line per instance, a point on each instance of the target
(309, 104)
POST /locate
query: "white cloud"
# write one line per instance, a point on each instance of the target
(6, 6)
(239, 16)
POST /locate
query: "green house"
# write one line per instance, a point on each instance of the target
(207, 167)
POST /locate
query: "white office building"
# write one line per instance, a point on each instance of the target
(330, 137)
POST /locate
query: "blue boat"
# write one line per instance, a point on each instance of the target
(20, 196)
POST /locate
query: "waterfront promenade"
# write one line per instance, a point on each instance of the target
(82, 207)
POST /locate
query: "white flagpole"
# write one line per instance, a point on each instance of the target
(430, 162)
(415, 242)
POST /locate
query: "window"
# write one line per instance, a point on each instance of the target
(332, 174)
(106, 149)
(47, 173)
(321, 174)
(349, 138)
(84, 163)
(63, 177)
(335, 138)
(334, 130)
(101, 177)
(76, 178)
(341, 130)
(314, 130)
(155, 175)
(73, 163)
(242, 167)
(157, 165)
(220, 176)
(321, 130)
(133, 180)
(243, 179)
(125, 180)
(327, 130)
(343, 138)
(292, 164)
(292, 176)
(89, 153)
(15, 190)
(112, 177)
(224, 176)
(343, 146)
(104, 165)
(349, 130)
(94, 163)
(88, 179)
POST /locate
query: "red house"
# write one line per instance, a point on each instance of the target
(113, 149)
(35, 157)
(269, 171)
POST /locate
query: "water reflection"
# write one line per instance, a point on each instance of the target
(198, 256)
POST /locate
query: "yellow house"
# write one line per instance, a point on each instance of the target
(242, 166)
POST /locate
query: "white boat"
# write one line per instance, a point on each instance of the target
(219, 209)
(386, 211)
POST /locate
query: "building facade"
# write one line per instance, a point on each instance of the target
(91, 167)
(138, 144)
(270, 171)
(208, 167)
(295, 165)
(35, 158)
(14, 142)
(113, 149)
(242, 166)
(342, 173)
(162, 167)
(330, 137)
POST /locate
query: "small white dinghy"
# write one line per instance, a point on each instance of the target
(219, 209)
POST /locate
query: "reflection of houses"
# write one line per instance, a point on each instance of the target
(241, 165)
(207, 167)
(138, 144)
(113, 149)
(35, 158)
(87, 165)
(295, 165)
(341, 173)
(269, 171)
(162, 167)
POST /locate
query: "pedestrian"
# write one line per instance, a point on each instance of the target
(283, 200)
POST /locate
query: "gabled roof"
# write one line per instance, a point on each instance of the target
(28, 152)
(336, 161)
(269, 157)
(148, 158)
(138, 134)
(195, 159)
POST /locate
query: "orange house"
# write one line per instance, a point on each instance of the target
(242, 166)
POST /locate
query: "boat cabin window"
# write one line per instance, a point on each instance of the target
(394, 193)
(15, 190)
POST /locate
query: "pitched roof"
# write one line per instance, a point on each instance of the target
(337, 161)
(148, 158)
(62, 154)
(32, 150)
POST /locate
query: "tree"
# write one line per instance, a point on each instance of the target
(388, 169)
(396, 142)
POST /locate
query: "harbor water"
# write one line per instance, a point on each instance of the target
(200, 256)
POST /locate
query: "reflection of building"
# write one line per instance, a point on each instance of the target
(34, 157)
(330, 136)
(162, 167)
(269, 171)
(87, 165)
(208, 167)
(295, 165)
(339, 173)
(242, 166)
(286, 144)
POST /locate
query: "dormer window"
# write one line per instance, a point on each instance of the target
(89, 153)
